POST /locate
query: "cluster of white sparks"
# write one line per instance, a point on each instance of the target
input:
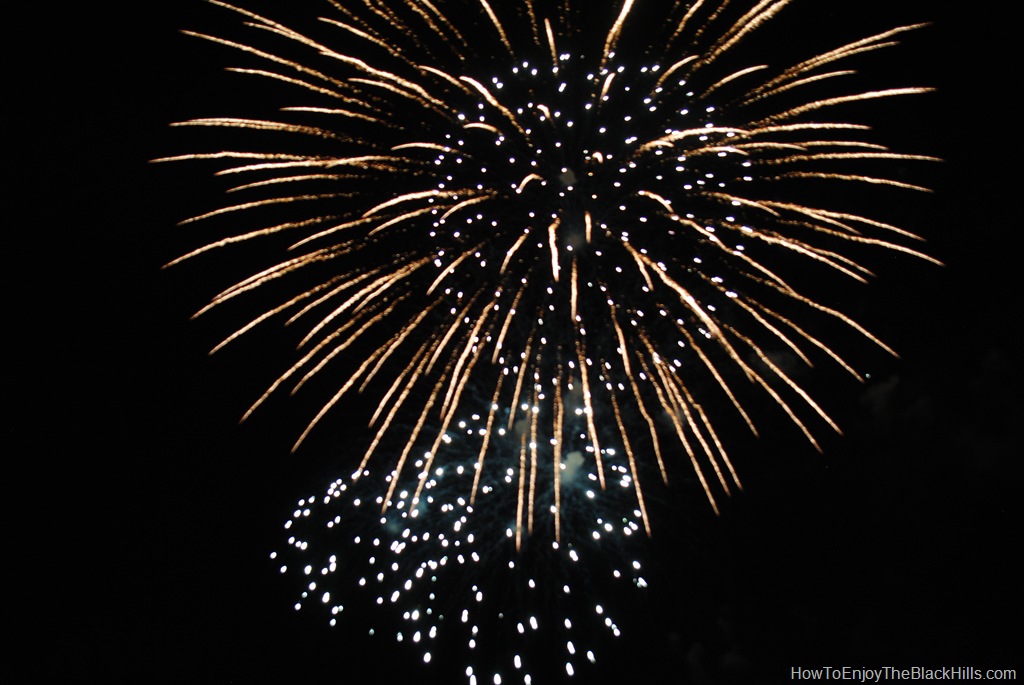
(424, 560)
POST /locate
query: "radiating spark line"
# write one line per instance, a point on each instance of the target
(451, 400)
(497, 24)
(261, 203)
(550, 34)
(718, 378)
(556, 463)
(832, 102)
(520, 501)
(628, 373)
(588, 403)
(669, 401)
(760, 13)
(341, 346)
(493, 102)
(499, 342)
(553, 246)
(624, 434)
(486, 441)
(520, 377)
(535, 400)
(264, 125)
(615, 32)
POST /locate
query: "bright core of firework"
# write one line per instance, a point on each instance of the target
(502, 201)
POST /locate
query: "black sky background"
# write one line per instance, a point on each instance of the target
(150, 513)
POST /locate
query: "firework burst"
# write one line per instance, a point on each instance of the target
(580, 217)
(440, 574)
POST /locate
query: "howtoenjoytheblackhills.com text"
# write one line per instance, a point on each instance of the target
(890, 673)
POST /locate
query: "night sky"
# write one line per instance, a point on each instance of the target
(150, 512)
